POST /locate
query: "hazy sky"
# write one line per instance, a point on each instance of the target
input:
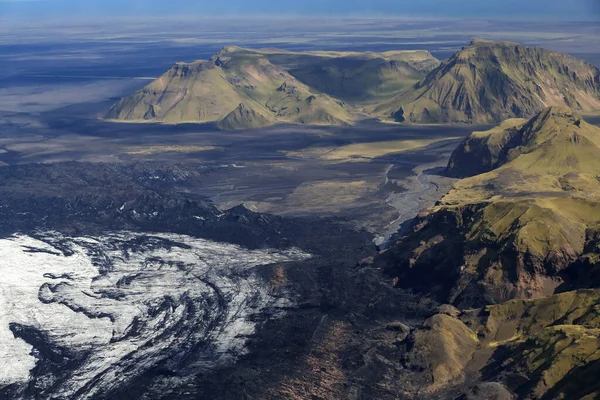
(523, 9)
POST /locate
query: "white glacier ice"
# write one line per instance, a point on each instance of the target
(125, 302)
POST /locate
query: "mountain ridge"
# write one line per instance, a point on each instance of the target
(484, 83)
(267, 82)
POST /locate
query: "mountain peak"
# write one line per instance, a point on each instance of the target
(244, 117)
(481, 48)
(223, 56)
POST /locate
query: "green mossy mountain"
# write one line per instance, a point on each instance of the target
(212, 91)
(442, 346)
(523, 229)
(546, 348)
(489, 82)
(242, 89)
(514, 249)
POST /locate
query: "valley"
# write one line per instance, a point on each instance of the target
(271, 170)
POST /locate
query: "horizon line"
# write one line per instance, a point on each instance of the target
(288, 16)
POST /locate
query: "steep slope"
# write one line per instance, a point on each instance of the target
(516, 231)
(484, 151)
(187, 92)
(551, 344)
(488, 82)
(210, 91)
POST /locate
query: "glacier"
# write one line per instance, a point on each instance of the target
(83, 315)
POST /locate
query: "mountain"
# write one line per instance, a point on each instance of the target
(515, 247)
(124, 283)
(520, 227)
(489, 82)
(212, 91)
(544, 348)
(241, 88)
(548, 131)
